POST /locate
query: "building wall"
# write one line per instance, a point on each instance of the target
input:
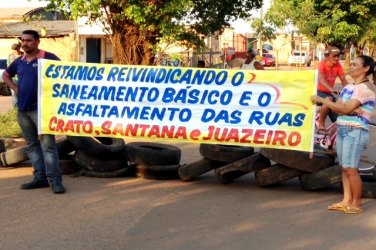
(64, 47)
(106, 48)
(5, 47)
(281, 47)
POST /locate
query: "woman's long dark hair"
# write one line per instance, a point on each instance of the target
(368, 61)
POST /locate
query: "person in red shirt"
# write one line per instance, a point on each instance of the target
(329, 69)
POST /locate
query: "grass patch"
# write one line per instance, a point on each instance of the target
(9, 127)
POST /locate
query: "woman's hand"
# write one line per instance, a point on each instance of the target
(316, 99)
(357, 111)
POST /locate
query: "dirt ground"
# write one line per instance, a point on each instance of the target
(134, 213)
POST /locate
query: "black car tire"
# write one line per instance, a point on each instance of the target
(118, 173)
(64, 147)
(225, 153)
(103, 148)
(68, 165)
(153, 154)
(14, 156)
(2, 146)
(369, 190)
(93, 164)
(321, 179)
(191, 171)
(299, 160)
(275, 174)
(231, 171)
(158, 172)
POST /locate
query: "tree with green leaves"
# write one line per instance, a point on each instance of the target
(335, 22)
(136, 27)
(265, 31)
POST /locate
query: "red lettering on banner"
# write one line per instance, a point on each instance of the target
(106, 127)
(118, 129)
(279, 136)
(73, 126)
(195, 134)
(247, 134)
(260, 136)
(144, 130)
(233, 135)
(181, 133)
(294, 139)
(154, 131)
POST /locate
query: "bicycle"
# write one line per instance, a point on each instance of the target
(326, 143)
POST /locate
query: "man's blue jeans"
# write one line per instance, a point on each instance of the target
(41, 151)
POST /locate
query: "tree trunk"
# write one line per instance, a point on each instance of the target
(130, 46)
(347, 58)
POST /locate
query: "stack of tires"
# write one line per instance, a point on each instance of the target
(315, 173)
(101, 157)
(228, 162)
(154, 160)
(91, 156)
(12, 156)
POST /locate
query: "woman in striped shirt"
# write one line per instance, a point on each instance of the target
(355, 106)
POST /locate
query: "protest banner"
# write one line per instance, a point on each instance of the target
(234, 107)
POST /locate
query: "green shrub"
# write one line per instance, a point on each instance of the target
(9, 127)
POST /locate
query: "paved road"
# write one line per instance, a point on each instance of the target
(133, 213)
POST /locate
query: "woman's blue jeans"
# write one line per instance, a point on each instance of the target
(41, 150)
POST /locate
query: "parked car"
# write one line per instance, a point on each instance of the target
(268, 59)
(4, 89)
(299, 57)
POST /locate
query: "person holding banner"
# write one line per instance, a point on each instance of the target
(250, 62)
(41, 149)
(355, 107)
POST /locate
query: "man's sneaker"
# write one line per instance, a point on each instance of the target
(35, 184)
(57, 187)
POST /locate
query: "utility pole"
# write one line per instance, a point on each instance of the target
(259, 45)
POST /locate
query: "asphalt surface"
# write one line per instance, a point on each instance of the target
(134, 213)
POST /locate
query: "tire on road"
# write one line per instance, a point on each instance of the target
(97, 165)
(14, 156)
(164, 172)
(2, 146)
(299, 160)
(68, 165)
(275, 174)
(225, 153)
(118, 173)
(64, 147)
(153, 154)
(231, 171)
(191, 171)
(369, 190)
(103, 148)
(321, 179)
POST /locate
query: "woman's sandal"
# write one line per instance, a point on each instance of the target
(337, 207)
(353, 210)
